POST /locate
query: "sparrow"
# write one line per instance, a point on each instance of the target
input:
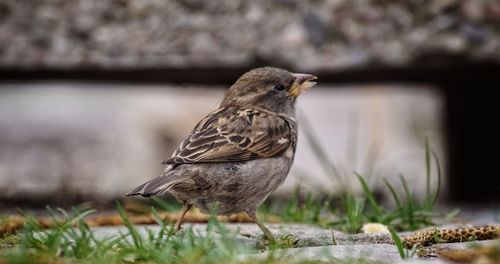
(241, 152)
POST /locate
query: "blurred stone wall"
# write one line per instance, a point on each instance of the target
(67, 142)
(92, 141)
(313, 34)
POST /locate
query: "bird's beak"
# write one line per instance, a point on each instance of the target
(303, 82)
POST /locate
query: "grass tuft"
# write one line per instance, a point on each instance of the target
(70, 240)
(351, 211)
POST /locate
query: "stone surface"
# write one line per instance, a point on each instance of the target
(96, 142)
(329, 34)
(347, 246)
(384, 253)
(248, 233)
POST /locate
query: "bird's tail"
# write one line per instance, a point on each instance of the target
(156, 186)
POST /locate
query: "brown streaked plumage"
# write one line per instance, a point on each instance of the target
(235, 134)
(241, 152)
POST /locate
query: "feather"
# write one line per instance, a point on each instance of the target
(157, 186)
(236, 134)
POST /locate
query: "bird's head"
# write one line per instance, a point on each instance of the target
(272, 88)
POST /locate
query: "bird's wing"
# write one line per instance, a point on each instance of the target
(161, 184)
(233, 134)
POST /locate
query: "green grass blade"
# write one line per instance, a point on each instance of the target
(428, 197)
(163, 227)
(371, 197)
(354, 217)
(393, 193)
(449, 216)
(439, 175)
(79, 216)
(352, 139)
(398, 243)
(136, 237)
(371, 160)
(409, 211)
(327, 165)
(411, 252)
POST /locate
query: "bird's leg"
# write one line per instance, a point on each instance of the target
(269, 236)
(185, 209)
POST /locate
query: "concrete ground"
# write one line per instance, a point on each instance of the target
(315, 244)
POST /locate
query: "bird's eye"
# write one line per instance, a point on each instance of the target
(279, 87)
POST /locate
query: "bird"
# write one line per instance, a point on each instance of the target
(237, 155)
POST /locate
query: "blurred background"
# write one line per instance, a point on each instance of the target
(94, 94)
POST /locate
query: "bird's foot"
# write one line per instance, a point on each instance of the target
(269, 236)
(283, 241)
